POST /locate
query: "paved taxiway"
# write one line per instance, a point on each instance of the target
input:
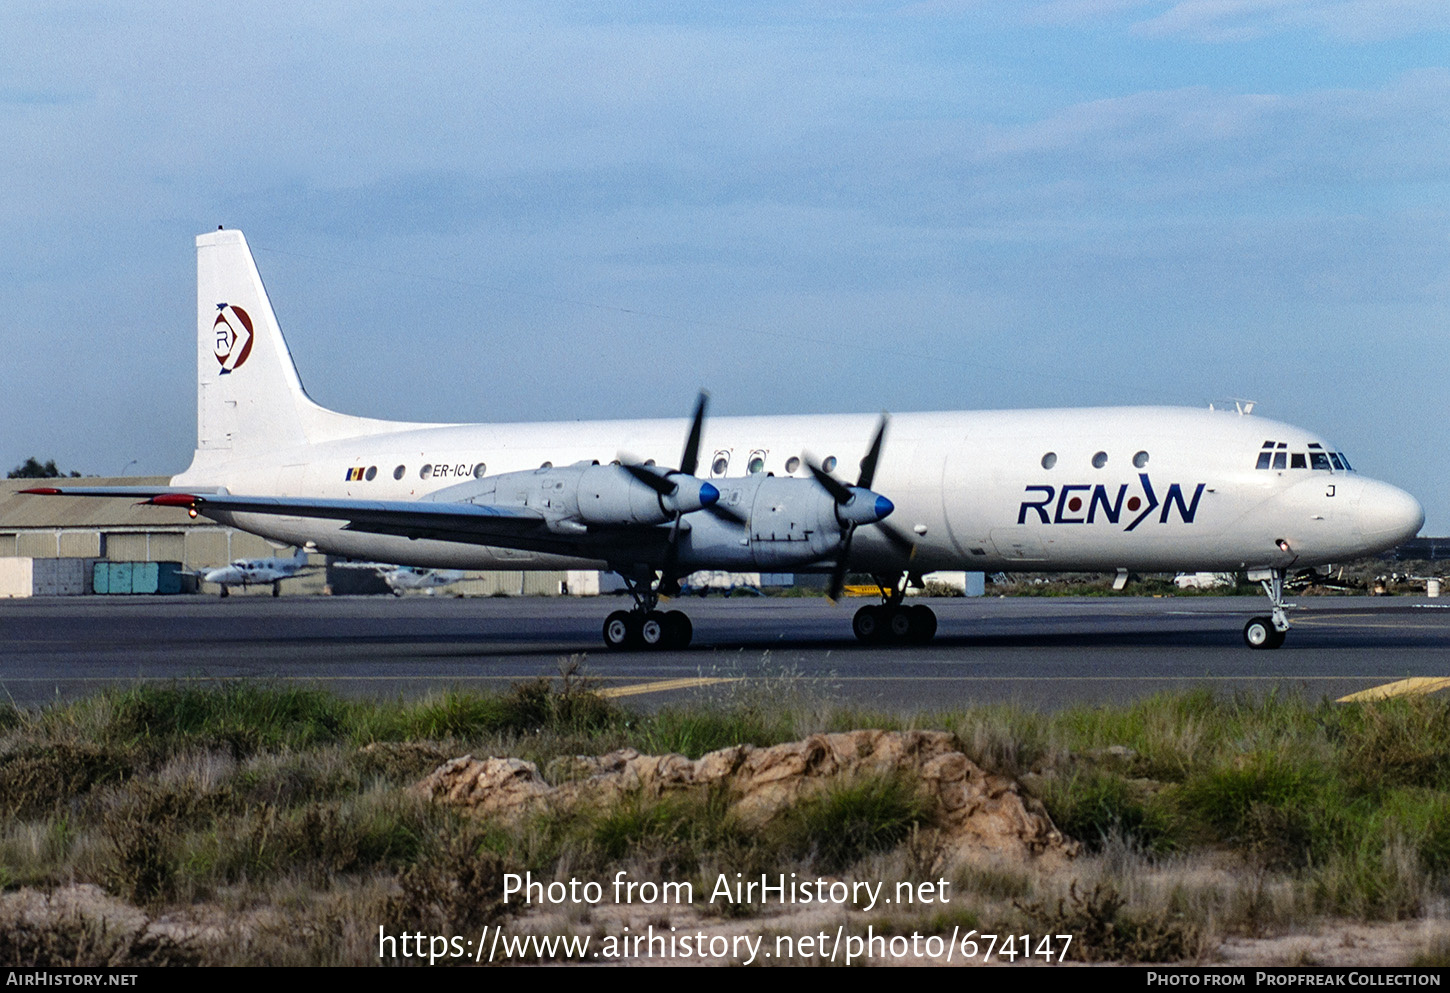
(1043, 652)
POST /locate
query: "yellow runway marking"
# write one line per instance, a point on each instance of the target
(1403, 687)
(662, 686)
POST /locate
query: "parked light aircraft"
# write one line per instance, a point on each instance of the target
(402, 578)
(1155, 489)
(256, 572)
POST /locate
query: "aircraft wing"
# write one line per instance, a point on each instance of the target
(411, 519)
(115, 491)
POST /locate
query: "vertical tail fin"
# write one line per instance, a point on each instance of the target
(249, 398)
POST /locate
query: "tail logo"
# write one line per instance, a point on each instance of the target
(232, 337)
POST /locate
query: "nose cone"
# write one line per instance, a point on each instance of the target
(690, 494)
(865, 507)
(1387, 516)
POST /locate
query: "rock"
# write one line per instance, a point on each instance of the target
(975, 813)
(489, 787)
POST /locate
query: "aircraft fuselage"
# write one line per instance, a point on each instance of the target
(1140, 488)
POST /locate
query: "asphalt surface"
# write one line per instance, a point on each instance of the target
(1046, 653)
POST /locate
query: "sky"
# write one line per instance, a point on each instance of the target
(537, 211)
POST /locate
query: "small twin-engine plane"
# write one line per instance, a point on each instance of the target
(402, 578)
(256, 572)
(1154, 489)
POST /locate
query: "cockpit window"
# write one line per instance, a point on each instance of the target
(1274, 456)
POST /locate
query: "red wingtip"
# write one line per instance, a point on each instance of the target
(44, 491)
(173, 500)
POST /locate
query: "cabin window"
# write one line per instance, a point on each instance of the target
(721, 463)
(830, 464)
(426, 471)
(479, 471)
(1049, 460)
(1140, 460)
(757, 462)
(547, 465)
(1100, 460)
(371, 474)
(792, 464)
(399, 471)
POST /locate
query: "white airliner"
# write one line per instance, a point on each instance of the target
(1155, 489)
(257, 572)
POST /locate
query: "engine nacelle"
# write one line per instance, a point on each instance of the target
(789, 523)
(610, 494)
(586, 494)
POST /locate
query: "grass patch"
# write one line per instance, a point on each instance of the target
(698, 731)
(240, 717)
(288, 798)
(1094, 806)
(842, 825)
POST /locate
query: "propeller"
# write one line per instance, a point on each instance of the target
(858, 505)
(679, 491)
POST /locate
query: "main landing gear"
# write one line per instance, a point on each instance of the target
(892, 621)
(645, 626)
(1269, 632)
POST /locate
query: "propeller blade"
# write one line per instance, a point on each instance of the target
(832, 485)
(725, 513)
(900, 539)
(868, 464)
(691, 458)
(838, 574)
(653, 480)
(669, 582)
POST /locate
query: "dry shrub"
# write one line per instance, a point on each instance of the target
(1102, 932)
(72, 941)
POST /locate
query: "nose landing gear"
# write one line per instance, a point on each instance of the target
(1269, 632)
